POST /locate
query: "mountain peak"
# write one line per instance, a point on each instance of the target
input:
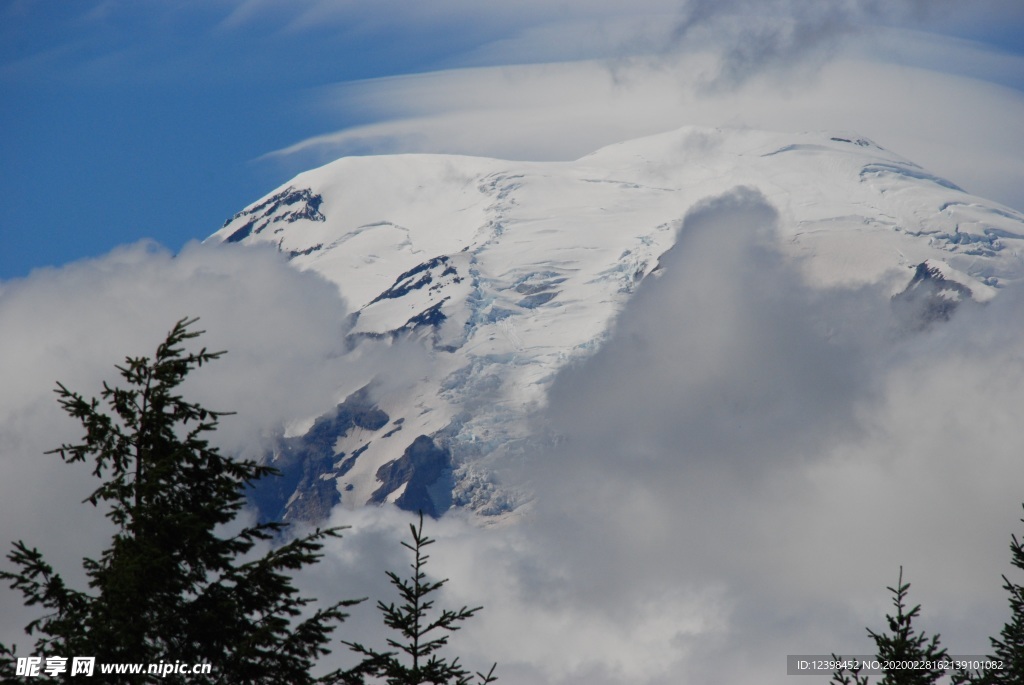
(507, 271)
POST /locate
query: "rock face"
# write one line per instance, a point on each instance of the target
(287, 206)
(501, 273)
(929, 297)
(310, 464)
(420, 480)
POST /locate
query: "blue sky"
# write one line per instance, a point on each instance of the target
(124, 120)
(128, 120)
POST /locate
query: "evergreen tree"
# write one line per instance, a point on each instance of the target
(901, 643)
(1008, 648)
(422, 632)
(169, 587)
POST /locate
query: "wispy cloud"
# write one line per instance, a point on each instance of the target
(961, 128)
(782, 65)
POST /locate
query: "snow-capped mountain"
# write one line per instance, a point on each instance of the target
(504, 271)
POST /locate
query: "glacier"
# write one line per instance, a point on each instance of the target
(501, 273)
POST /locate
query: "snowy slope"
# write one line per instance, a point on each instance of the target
(504, 271)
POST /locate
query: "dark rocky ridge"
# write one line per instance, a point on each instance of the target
(426, 471)
(307, 489)
(929, 297)
(267, 212)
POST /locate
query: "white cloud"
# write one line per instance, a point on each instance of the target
(72, 324)
(284, 332)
